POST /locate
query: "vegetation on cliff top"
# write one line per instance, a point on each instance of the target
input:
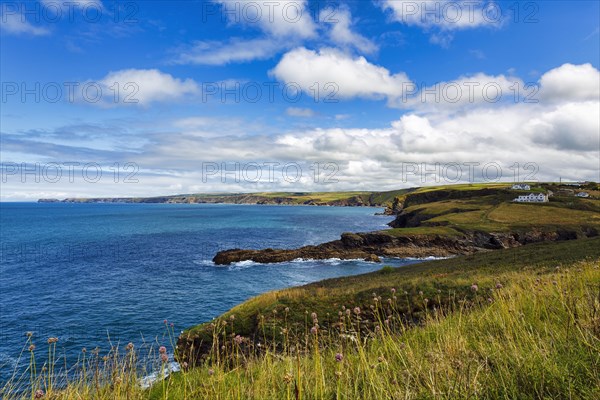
(451, 220)
(440, 281)
(528, 329)
(441, 212)
(517, 323)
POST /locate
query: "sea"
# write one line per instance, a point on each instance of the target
(102, 274)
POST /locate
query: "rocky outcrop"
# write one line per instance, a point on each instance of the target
(371, 246)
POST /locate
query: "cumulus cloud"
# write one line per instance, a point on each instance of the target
(284, 18)
(145, 86)
(341, 32)
(336, 71)
(283, 25)
(470, 91)
(444, 14)
(17, 24)
(573, 82)
(560, 137)
(443, 17)
(570, 126)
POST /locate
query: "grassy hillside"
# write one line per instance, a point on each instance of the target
(521, 323)
(459, 209)
(452, 277)
(531, 332)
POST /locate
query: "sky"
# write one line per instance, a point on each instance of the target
(147, 98)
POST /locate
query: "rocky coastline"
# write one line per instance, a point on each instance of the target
(373, 245)
(400, 243)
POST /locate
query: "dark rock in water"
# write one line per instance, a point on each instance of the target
(372, 258)
(371, 246)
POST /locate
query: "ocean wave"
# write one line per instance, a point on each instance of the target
(330, 261)
(428, 258)
(7, 361)
(149, 380)
(243, 264)
(207, 262)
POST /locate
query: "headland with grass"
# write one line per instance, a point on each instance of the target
(508, 320)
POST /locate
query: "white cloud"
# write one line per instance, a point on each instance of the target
(338, 73)
(299, 112)
(283, 25)
(283, 18)
(340, 32)
(561, 137)
(16, 24)
(444, 14)
(442, 17)
(465, 92)
(232, 51)
(145, 86)
(570, 126)
(571, 82)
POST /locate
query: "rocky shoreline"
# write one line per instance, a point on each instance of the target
(371, 246)
(399, 243)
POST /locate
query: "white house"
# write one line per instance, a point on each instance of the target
(521, 186)
(583, 194)
(532, 198)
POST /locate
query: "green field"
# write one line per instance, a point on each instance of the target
(443, 211)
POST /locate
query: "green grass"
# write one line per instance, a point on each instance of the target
(537, 338)
(497, 213)
(451, 274)
(531, 330)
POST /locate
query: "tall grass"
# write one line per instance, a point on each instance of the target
(537, 337)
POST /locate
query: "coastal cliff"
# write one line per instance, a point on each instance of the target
(371, 246)
(447, 222)
(338, 199)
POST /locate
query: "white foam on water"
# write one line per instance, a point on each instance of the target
(149, 380)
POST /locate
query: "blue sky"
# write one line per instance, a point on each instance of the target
(372, 58)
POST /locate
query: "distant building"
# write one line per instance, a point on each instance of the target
(521, 186)
(532, 198)
(583, 194)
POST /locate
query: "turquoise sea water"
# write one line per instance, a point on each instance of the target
(84, 272)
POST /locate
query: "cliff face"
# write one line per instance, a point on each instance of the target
(371, 246)
(366, 200)
(440, 223)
